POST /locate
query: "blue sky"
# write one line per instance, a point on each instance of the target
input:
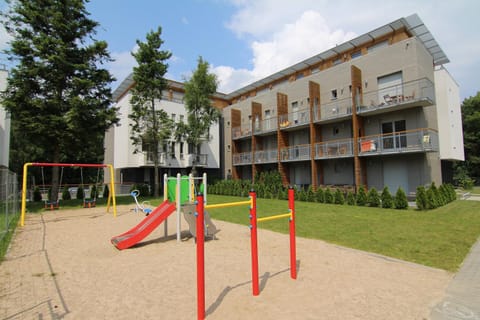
(245, 40)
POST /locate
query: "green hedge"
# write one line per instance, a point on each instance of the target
(268, 185)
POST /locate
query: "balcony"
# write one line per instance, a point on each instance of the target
(407, 95)
(265, 126)
(242, 158)
(294, 119)
(266, 156)
(242, 131)
(334, 149)
(199, 160)
(420, 140)
(148, 156)
(295, 153)
(334, 110)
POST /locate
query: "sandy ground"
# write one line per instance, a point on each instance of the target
(62, 265)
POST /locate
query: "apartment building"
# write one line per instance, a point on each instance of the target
(378, 110)
(175, 157)
(4, 123)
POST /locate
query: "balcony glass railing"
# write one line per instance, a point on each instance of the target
(412, 92)
(242, 158)
(266, 156)
(295, 153)
(294, 119)
(242, 131)
(265, 126)
(197, 159)
(334, 109)
(420, 140)
(162, 156)
(334, 149)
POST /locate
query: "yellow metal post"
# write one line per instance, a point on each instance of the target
(24, 193)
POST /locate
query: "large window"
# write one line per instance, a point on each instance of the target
(390, 87)
(394, 134)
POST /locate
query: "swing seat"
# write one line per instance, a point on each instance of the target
(51, 205)
(89, 203)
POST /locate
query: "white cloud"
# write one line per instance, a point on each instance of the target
(308, 35)
(121, 67)
(5, 38)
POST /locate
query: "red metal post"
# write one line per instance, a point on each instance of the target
(200, 258)
(293, 246)
(253, 238)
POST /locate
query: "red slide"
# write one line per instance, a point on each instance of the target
(144, 228)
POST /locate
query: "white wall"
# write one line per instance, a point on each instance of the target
(4, 125)
(449, 116)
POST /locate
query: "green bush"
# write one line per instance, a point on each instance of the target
(387, 199)
(328, 196)
(310, 196)
(436, 195)
(37, 195)
(421, 198)
(320, 195)
(361, 199)
(401, 201)
(66, 194)
(431, 202)
(142, 188)
(106, 192)
(373, 199)
(80, 193)
(339, 198)
(350, 198)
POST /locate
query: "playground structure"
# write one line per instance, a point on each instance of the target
(178, 196)
(55, 205)
(252, 202)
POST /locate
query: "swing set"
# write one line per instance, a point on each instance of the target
(87, 203)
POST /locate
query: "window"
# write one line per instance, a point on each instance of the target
(295, 111)
(172, 150)
(336, 131)
(337, 61)
(390, 88)
(182, 118)
(181, 150)
(393, 134)
(334, 94)
(174, 116)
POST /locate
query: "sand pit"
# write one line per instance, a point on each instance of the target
(62, 265)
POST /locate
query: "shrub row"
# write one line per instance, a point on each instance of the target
(269, 185)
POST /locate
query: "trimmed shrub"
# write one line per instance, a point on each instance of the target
(80, 193)
(310, 196)
(106, 192)
(431, 202)
(421, 198)
(436, 195)
(361, 197)
(328, 196)
(66, 194)
(320, 195)
(373, 199)
(387, 199)
(37, 195)
(350, 198)
(401, 201)
(339, 198)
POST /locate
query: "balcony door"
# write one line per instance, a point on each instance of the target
(390, 87)
(393, 135)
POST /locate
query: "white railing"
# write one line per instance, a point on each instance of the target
(295, 153)
(266, 156)
(293, 119)
(334, 109)
(334, 149)
(242, 158)
(242, 131)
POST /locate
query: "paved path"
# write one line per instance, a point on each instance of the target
(462, 298)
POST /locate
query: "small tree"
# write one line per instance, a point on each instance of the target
(401, 201)
(431, 202)
(387, 199)
(421, 198)
(373, 198)
(66, 194)
(328, 196)
(37, 195)
(361, 197)
(339, 197)
(320, 195)
(106, 192)
(80, 193)
(350, 198)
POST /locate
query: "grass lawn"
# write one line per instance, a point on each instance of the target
(439, 238)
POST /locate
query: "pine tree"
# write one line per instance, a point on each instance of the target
(339, 197)
(421, 198)
(401, 201)
(373, 198)
(151, 126)
(350, 198)
(58, 94)
(328, 196)
(387, 199)
(361, 197)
